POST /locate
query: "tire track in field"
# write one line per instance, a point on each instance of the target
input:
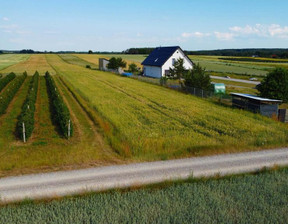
(96, 135)
(158, 109)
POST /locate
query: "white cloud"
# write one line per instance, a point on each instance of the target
(195, 34)
(224, 36)
(5, 19)
(258, 30)
(276, 30)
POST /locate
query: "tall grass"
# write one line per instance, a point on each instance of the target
(149, 121)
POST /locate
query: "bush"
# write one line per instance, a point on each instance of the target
(9, 93)
(28, 109)
(275, 85)
(115, 63)
(198, 78)
(88, 66)
(60, 110)
(4, 81)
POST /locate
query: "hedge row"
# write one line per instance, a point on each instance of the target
(9, 93)
(28, 109)
(4, 81)
(60, 110)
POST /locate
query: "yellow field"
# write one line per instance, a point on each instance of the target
(36, 62)
(94, 58)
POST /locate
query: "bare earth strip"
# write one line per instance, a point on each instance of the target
(97, 179)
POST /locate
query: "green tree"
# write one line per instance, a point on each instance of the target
(178, 69)
(275, 85)
(133, 68)
(90, 52)
(198, 78)
(115, 63)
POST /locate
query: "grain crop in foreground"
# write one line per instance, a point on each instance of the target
(258, 198)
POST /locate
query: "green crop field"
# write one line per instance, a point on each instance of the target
(150, 122)
(258, 198)
(119, 120)
(7, 60)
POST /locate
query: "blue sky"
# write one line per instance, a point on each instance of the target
(117, 25)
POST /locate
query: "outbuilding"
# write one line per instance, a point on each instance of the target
(264, 106)
(157, 64)
(103, 62)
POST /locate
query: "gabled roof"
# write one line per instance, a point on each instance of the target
(160, 55)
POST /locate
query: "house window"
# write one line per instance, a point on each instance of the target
(173, 61)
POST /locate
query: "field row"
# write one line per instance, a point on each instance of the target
(47, 149)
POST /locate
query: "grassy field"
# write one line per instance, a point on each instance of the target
(258, 198)
(46, 150)
(150, 122)
(35, 62)
(7, 60)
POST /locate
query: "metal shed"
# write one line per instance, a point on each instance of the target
(264, 106)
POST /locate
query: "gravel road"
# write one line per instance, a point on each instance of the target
(47, 185)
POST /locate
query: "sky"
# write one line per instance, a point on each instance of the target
(82, 25)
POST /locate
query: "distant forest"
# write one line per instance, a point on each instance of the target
(253, 52)
(280, 53)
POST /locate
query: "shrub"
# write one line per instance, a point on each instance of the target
(4, 81)
(60, 110)
(28, 109)
(9, 93)
(275, 85)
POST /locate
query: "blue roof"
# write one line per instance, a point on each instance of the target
(159, 56)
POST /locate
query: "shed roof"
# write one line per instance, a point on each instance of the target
(257, 98)
(160, 55)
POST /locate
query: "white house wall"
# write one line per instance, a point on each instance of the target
(152, 71)
(177, 54)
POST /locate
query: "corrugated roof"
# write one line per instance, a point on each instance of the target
(249, 96)
(159, 56)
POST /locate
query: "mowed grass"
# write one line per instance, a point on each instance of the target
(46, 150)
(258, 198)
(152, 122)
(36, 62)
(7, 60)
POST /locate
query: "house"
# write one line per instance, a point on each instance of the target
(157, 64)
(256, 104)
(103, 62)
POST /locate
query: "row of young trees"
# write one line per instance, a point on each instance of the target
(60, 110)
(4, 81)
(25, 124)
(9, 93)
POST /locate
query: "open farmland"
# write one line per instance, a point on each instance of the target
(94, 58)
(47, 149)
(150, 122)
(36, 62)
(7, 60)
(258, 198)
